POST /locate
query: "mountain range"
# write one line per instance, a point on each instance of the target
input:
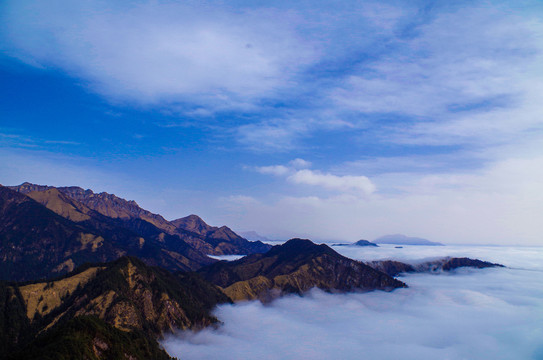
(192, 229)
(47, 231)
(94, 276)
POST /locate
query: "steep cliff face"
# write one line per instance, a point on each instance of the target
(191, 229)
(126, 295)
(295, 267)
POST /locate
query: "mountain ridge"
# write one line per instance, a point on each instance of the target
(36, 242)
(206, 239)
(142, 301)
(447, 264)
(294, 267)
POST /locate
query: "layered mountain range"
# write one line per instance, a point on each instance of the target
(192, 229)
(94, 276)
(47, 231)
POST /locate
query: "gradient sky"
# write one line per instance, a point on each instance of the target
(329, 120)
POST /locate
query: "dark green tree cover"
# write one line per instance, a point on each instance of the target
(88, 337)
(14, 325)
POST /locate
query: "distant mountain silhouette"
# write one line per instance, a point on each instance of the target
(358, 243)
(364, 243)
(394, 268)
(399, 239)
(253, 236)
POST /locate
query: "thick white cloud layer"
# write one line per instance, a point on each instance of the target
(471, 314)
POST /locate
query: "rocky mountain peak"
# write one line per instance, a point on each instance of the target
(302, 246)
(27, 187)
(295, 267)
(192, 223)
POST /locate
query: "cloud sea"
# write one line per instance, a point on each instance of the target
(492, 313)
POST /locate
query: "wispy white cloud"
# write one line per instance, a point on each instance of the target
(283, 170)
(273, 170)
(14, 139)
(469, 75)
(160, 52)
(447, 206)
(464, 76)
(296, 172)
(62, 142)
(274, 135)
(344, 183)
(300, 163)
(460, 74)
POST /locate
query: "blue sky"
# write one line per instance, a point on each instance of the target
(330, 120)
